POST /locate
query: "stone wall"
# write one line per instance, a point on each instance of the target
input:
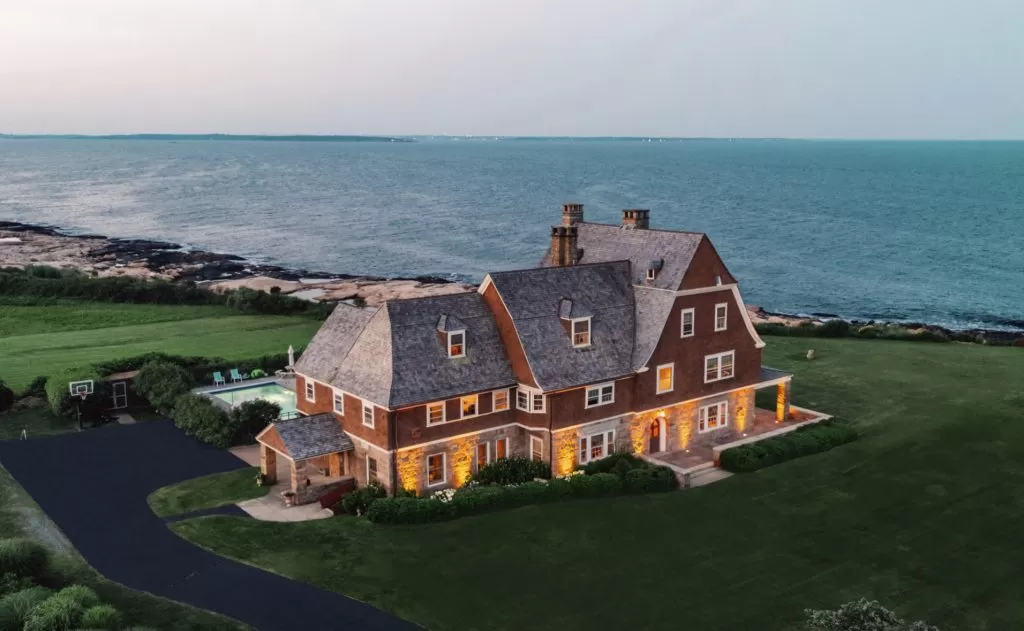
(565, 443)
(460, 457)
(355, 465)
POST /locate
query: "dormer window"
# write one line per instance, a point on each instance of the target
(654, 267)
(650, 273)
(457, 344)
(581, 332)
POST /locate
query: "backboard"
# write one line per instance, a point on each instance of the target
(81, 388)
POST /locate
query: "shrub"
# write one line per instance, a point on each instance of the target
(57, 394)
(860, 615)
(11, 583)
(804, 441)
(101, 617)
(359, 501)
(35, 389)
(834, 328)
(251, 417)
(512, 471)
(79, 594)
(611, 463)
(23, 557)
(161, 383)
(406, 510)
(54, 614)
(14, 607)
(6, 397)
(198, 417)
(650, 480)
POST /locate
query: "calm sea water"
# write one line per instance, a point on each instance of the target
(891, 230)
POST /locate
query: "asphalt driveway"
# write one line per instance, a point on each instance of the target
(94, 485)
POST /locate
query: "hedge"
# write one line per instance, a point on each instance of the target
(512, 471)
(198, 417)
(161, 383)
(23, 557)
(842, 328)
(807, 440)
(15, 607)
(619, 462)
(201, 368)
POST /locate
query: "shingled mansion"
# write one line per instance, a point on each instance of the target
(623, 338)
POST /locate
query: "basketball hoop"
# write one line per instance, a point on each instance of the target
(80, 390)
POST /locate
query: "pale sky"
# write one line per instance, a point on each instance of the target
(723, 68)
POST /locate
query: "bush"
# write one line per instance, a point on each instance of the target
(359, 501)
(612, 464)
(251, 417)
(201, 368)
(651, 480)
(834, 328)
(807, 440)
(512, 471)
(54, 614)
(15, 607)
(198, 417)
(101, 617)
(6, 397)
(58, 396)
(23, 557)
(161, 383)
(79, 594)
(35, 389)
(860, 615)
(11, 583)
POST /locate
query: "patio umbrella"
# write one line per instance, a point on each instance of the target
(291, 356)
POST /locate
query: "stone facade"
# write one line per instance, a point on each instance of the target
(356, 465)
(565, 443)
(460, 457)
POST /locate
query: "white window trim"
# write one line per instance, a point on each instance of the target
(367, 464)
(444, 413)
(723, 417)
(609, 445)
(368, 406)
(532, 393)
(682, 322)
(599, 387)
(725, 317)
(444, 468)
(501, 440)
(450, 334)
(474, 414)
(719, 357)
(338, 395)
(310, 389)
(536, 440)
(650, 273)
(590, 332)
(494, 406)
(657, 378)
(487, 448)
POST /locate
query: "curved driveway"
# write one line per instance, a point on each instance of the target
(94, 485)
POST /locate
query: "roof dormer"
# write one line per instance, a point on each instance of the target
(577, 322)
(654, 267)
(452, 332)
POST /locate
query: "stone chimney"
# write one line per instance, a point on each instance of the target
(572, 214)
(563, 246)
(636, 219)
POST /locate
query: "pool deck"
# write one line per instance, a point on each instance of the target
(285, 381)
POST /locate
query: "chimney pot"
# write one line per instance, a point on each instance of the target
(563, 246)
(572, 214)
(636, 219)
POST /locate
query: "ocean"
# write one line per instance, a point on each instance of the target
(902, 231)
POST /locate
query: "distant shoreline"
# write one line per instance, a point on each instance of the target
(413, 138)
(208, 137)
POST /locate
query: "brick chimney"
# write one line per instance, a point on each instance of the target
(572, 214)
(636, 219)
(563, 246)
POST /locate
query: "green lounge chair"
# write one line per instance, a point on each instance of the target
(237, 376)
(218, 379)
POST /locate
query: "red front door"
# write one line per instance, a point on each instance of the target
(655, 443)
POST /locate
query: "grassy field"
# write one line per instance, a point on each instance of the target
(40, 340)
(925, 513)
(208, 491)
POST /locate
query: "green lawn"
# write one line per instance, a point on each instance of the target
(925, 513)
(35, 422)
(208, 491)
(41, 340)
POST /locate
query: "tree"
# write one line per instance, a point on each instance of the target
(197, 416)
(6, 396)
(161, 383)
(861, 615)
(251, 417)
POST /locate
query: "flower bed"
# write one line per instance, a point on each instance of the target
(807, 440)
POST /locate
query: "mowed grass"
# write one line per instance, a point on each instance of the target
(42, 340)
(208, 491)
(925, 513)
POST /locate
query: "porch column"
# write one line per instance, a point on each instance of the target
(782, 401)
(295, 477)
(268, 464)
(335, 465)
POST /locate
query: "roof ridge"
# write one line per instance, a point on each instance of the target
(560, 267)
(619, 227)
(428, 297)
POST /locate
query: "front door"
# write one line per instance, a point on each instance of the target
(655, 444)
(120, 395)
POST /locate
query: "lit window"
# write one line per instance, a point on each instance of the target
(501, 448)
(536, 448)
(457, 344)
(367, 414)
(721, 311)
(650, 273)
(435, 413)
(310, 392)
(718, 367)
(483, 455)
(581, 332)
(500, 398)
(600, 395)
(371, 470)
(436, 469)
(666, 378)
(339, 402)
(714, 416)
(469, 405)
(687, 319)
(596, 446)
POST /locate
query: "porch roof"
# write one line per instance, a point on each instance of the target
(307, 437)
(772, 374)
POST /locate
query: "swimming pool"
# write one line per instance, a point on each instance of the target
(273, 392)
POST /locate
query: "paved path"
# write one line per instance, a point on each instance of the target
(94, 485)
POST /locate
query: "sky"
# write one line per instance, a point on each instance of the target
(932, 69)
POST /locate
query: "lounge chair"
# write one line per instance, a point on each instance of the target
(218, 379)
(237, 376)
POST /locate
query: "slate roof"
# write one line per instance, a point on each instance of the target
(534, 299)
(605, 242)
(398, 357)
(311, 436)
(653, 307)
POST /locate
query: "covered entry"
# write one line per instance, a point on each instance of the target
(316, 454)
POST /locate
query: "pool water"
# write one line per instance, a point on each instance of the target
(273, 392)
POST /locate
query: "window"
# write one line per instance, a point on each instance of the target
(714, 416)
(469, 405)
(435, 413)
(456, 344)
(536, 448)
(371, 470)
(367, 414)
(718, 367)
(436, 469)
(529, 400)
(581, 332)
(339, 402)
(310, 392)
(721, 310)
(500, 398)
(687, 320)
(600, 395)
(483, 455)
(501, 448)
(666, 378)
(650, 273)
(718, 280)
(596, 446)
